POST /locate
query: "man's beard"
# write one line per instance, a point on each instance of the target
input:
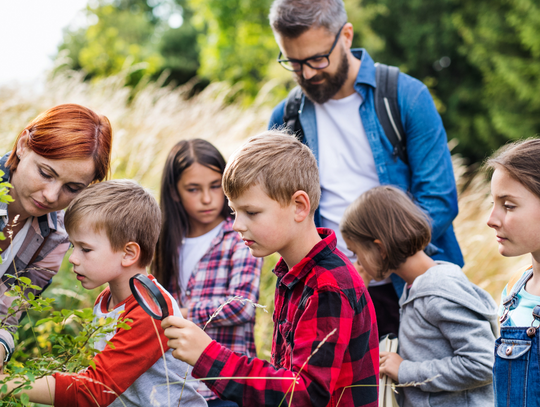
(332, 84)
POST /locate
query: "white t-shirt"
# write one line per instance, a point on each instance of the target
(346, 163)
(192, 251)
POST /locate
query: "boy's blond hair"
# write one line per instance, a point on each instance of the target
(278, 163)
(124, 210)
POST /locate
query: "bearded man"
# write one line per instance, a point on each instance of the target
(339, 123)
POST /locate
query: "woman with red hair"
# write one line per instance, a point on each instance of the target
(55, 157)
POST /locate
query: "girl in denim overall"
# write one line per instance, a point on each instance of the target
(515, 217)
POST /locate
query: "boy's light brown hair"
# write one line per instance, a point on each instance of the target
(387, 214)
(278, 163)
(124, 210)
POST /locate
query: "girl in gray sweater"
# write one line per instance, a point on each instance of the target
(448, 325)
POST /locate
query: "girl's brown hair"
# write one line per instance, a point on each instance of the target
(69, 131)
(521, 160)
(387, 214)
(175, 220)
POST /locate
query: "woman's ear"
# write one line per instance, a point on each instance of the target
(22, 144)
(302, 206)
(132, 252)
(382, 250)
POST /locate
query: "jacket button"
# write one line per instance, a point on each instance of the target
(508, 351)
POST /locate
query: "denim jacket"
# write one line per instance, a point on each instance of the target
(429, 176)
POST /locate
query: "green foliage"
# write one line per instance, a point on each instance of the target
(237, 44)
(63, 341)
(480, 60)
(420, 37)
(500, 38)
(130, 32)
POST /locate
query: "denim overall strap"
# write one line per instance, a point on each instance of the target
(516, 371)
(511, 301)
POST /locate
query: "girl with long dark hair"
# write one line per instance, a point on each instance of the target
(199, 258)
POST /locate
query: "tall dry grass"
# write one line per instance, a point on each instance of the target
(148, 122)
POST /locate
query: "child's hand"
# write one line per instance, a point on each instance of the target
(389, 364)
(187, 339)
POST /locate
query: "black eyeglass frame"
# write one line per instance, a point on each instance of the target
(306, 61)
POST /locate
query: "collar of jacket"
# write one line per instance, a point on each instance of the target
(46, 222)
(366, 73)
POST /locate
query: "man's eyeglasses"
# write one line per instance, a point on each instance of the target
(316, 62)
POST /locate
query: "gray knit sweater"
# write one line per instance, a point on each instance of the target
(448, 328)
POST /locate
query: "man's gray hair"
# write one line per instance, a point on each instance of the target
(291, 18)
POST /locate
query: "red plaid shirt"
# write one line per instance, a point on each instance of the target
(321, 293)
(226, 270)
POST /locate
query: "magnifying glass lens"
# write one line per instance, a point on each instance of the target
(148, 298)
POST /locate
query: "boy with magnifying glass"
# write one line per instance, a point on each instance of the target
(113, 227)
(325, 348)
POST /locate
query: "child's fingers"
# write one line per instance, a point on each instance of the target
(173, 333)
(172, 321)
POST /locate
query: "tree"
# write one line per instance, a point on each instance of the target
(421, 39)
(500, 39)
(134, 31)
(238, 44)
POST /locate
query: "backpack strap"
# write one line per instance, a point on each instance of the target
(291, 115)
(387, 108)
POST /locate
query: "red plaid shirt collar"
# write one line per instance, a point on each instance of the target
(290, 277)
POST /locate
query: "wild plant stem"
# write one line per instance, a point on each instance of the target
(164, 362)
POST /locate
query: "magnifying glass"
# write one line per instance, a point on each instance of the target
(148, 296)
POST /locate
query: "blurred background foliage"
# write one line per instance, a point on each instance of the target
(480, 60)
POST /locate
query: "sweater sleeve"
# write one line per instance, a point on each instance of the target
(472, 342)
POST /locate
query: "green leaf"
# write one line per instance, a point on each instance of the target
(25, 280)
(25, 399)
(43, 321)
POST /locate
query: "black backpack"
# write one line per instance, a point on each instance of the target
(386, 107)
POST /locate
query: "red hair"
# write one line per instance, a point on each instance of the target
(69, 131)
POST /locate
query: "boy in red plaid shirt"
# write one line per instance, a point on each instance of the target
(325, 347)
